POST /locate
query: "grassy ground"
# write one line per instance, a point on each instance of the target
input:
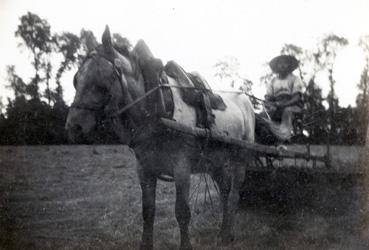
(88, 197)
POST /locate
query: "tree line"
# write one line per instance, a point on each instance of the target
(324, 120)
(36, 114)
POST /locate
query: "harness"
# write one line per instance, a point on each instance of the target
(99, 110)
(151, 91)
(118, 74)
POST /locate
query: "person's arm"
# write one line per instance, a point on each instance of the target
(296, 87)
(295, 99)
(269, 96)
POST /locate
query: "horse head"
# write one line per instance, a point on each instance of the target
(102, 85)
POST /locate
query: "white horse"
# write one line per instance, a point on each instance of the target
(107, 81)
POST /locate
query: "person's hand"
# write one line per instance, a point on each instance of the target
(270, 106)
(279, 104)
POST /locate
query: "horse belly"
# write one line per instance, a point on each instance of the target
(229, 122)
(238, 120)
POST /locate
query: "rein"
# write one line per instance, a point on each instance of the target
(151, 91)
(117, 73)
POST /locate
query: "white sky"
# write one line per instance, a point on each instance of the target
(198, 33)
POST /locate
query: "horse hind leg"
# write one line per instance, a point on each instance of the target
(148, 187)
(229, 183)
(182, 208)
(225, 236)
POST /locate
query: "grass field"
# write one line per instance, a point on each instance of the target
(88, 197)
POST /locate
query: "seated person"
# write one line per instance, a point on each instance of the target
(285, 89)
(283, 99)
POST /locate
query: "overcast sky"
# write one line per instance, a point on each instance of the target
(198, 33)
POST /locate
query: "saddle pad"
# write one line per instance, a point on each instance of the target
(190, 96)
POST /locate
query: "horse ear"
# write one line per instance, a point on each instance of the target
(107, 41)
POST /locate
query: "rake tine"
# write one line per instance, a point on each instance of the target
(197, 194)
(207, 189)
(215, 186)
(203, 175)
(195, 188)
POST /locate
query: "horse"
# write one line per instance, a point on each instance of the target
(108, 81)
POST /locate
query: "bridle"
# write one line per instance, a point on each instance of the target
(104, 116)
(117, 75)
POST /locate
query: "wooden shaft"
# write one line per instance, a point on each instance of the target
(264, 149)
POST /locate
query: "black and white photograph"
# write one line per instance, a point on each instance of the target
(190, 125)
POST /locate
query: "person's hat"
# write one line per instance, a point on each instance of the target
(291, 61)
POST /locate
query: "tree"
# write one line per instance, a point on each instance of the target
(2, 106)
(347, 131)
(122, 44)
(325, 58)
(315, 113)
(68, 44)
(267, 75)
(362, 99)
(16, 83)
(88, 43)
(47, 69)
(36, 36)
(301, 56)
(227, 70)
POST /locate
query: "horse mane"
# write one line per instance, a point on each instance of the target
(134, 57)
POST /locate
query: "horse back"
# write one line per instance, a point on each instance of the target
(236, 121)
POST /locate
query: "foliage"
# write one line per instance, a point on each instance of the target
(88, 43)
(300, 54)
(227, 70)
(315, 113)
(36, 36)
(28, 119)
(121, 44)
(16, 83)
(325, 58)
(31, 122)
(362, 100)
(68, 45)
(36, 117)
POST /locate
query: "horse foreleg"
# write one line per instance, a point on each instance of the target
(148, 187)
(182, 209)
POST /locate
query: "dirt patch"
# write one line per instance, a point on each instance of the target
(88, 197)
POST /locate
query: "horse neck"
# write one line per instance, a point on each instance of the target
(135, 90)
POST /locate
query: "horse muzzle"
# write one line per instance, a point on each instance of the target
(80, 126)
